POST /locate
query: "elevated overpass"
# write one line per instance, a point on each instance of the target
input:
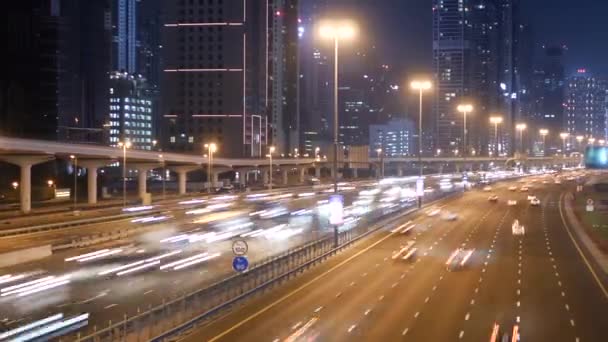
(28, 152)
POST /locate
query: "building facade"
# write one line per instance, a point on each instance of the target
(395, 138)
(130, 112)
(124, 36)
(585, 107)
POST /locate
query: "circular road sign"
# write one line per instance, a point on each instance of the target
(240, 264)
(589, 201)
(239, 247)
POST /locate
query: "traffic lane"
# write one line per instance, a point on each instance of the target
(290, 306)
(92, 293)
(454, 297)
(587, 304)
(412, 288)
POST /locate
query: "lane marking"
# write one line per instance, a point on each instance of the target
(299, 289)
(110, 306)
(578, 249)
(461, 334)
(405, 331)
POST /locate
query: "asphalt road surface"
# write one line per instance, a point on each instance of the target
(537, 281)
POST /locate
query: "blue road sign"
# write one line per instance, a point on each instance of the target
(240, 263)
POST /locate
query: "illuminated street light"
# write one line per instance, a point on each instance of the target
(520, 127)
(211, 148)
(591, 141)
(543, 133)
(421, 86)
(464, 109)
(124, 147)
(379, 151)
(564, 136)
(496, 120)
(270, 152)
(75, 159)
(336, 31)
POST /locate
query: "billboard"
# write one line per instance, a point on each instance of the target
(596, 157)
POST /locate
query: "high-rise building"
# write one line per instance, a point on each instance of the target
(124, 27)
(130, 111)
(585, 106)
(283, 73)
(475, 55)
(219, 74)
(395, 138)
(353, 116)
(29, 96)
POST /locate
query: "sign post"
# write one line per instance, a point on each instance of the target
(336, 213)
(590, 206)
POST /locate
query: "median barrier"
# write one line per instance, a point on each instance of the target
(25, 255)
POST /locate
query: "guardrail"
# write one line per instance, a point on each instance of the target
(176, 315)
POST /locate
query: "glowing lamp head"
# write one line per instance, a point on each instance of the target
(337, 30)
(465, 108)
(496, 119)
(543, 131)
(271, 149)
(564, 135)
(579, 138)
(521, 126)
(421, 85)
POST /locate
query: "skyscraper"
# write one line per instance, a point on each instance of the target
(220, 77)
(124, 27)
(475, 57)
(585, 105)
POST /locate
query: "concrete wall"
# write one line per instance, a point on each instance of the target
(25, 255)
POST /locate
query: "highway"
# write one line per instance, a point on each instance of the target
(297, 218)
(537, 282)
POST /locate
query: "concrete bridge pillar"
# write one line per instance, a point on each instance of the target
(142, 178)
(285, 176)
(400, 171)
(25, 182)
(92, 167)
(302, 171)
(182, 177)
(266, 176)
(355, 173)
(318, 172)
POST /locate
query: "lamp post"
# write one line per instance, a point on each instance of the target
(379, 151)
(421, 86)
(75, 164)
(336, 31)
(496, 120)
(579, 140)
(270, 152)
(543, 133)
(520, 127)
(162, 161)
(564, 136)
(591, 141)
(211, 148)
(124, 147)
(464, 109)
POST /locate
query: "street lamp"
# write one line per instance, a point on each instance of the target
(211, 148)
(421, 86)
(160, 156)
(124, 147)
(379, 151)
(564, 136)
(579, 140)
(520, 129)
(496, 120)
(464, 109)
(270, 152)
(336, 31)
(591, 141)
(75, 164)
(601, 142)
(543, 133)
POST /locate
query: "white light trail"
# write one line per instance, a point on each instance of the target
(86, 255)
(101, 255)
(138, 268)
(8, 278)
(39, 280)
(53, 327)
(174, 263)
(196, 261)
(29, 326)
(43, 288)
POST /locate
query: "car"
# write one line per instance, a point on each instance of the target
(531, 197)
(524, 189)
(487, 188)
(517, 228)
(507, 334)
(405, 252)
(535, 202)
(557, 181)
(449, 216)
(458, 259)
(512, 188)
(545, 182)
(511, 202)
(493, 198)
(433, 212)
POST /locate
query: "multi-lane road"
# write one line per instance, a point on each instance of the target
(537, 282)
(296, 217)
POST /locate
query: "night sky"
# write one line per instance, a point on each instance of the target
(402, 29)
